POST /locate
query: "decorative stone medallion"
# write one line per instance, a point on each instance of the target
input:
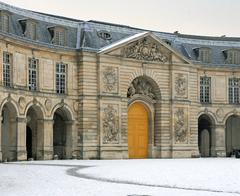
(220, 113)
(22, 102)
(110, 124)
(145, 49)
(180, 126)
(48, 104)
(181, 85)
(110, 79)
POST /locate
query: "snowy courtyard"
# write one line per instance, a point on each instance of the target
(168, 177)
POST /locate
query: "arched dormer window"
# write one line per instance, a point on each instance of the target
(29, 28)
(58, 35)
(232, 56)
(203, 54)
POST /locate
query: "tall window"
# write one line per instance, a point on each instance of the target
(233, 90)
(61, 78)
(7, 65)
(4, 22)
(32, 73)
(205, 89)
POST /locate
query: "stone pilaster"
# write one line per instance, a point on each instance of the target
(48, 139)
(220, 141)
(21, 139)
(69, 139)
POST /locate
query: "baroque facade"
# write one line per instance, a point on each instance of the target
(94, 90)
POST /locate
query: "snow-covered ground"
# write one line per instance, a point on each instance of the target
(168, 177)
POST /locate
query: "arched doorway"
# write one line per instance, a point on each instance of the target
(62, 133)
(34, 133)
(204, 135)
(232, 134)
(9, 132)
(138, 131)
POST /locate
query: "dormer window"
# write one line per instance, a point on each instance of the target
(58, 35)
(203, 54)
(232, 56)
(5, 20)
(29, 28)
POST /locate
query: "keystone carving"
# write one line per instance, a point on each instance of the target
(22, 102)
(145, 49)
(110, 124)
(142, 87)
(110, 80)
(48, 104)
(180, 126)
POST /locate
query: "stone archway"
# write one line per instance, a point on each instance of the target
(9, 132)
(34, 133)
(144, 95)
(232, 134)
(138, 131)
(62, 133)
(205, 135)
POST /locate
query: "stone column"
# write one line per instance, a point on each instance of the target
(69, 139)
(47, 139)
(40, 139)
(1, 138)
(21, 139)
(220, 141)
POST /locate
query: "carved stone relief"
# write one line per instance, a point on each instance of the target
(180, 126)
(110, 80)
(110, 124)
(145, 49)
(181, 85)
(142, 87)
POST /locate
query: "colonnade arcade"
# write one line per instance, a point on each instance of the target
(33, 135)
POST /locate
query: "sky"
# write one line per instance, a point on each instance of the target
(198, 17)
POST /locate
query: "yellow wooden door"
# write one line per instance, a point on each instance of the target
(137, 131)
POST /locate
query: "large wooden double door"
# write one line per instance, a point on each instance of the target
(137, 131)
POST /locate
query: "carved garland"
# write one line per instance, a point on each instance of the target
(180, 126)
(181, 85)
(110, 80)
(145, 49)
(110, 124)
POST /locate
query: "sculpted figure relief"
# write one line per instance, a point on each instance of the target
(110, 79)
(180, 126)
(181, 85)
(140, 86)
(145, 50)
(110, 125)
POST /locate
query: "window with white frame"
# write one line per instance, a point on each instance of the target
(32, 73)
(7, 68)
(205, 89)
(61, 78)
(204, 55)
(233, 90)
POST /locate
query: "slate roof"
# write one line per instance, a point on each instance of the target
(84, 35)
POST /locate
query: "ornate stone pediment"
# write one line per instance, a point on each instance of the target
(146, 49)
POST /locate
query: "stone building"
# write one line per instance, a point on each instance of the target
(94, 90)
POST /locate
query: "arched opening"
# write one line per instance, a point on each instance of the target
(34, 133)
(9, 132)
(204, 135)
(29, 142)
(232, 134)
(138, 133)
(62, 133)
